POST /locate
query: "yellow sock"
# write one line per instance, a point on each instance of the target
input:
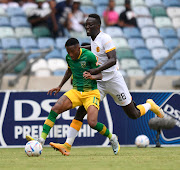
(142, 109)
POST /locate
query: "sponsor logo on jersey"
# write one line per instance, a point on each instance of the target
(83, 64)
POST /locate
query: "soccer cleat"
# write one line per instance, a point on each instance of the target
(115, 144)
(40, 140)
(155, 108)
(65, 150)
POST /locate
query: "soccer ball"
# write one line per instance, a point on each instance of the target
(142, 141)
(33, 148)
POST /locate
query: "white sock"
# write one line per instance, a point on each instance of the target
(147, 106)
(72, 133)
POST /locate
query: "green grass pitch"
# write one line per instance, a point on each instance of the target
(131, 158)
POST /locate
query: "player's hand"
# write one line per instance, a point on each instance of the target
(56, 90)
(94, 71)
(87, 75)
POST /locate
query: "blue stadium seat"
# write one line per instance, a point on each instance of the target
(63, 53)
(114, 31)
(168, 3)
(167, 32)
(131, 32)
(4, 21)
(154, 42)
(28, 43)
(145, 21)
(60, 42)
(178, 32)
(171, 43)
(8, 43)
(19, 21)
(147, 64)
(159, 53)
(46, 42)
(100, 2)
(177, 55)
(15, 12)
(88, 9)
(142, 53)
(149, 32)
(172, 72)
(141, 10)
(169, 65)
(177, 64)
(100, 10)
(53, 54)
(151, 3)
(136, 43)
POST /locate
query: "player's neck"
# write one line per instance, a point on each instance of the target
(93, 37)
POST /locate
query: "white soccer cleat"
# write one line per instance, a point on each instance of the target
(115, 144)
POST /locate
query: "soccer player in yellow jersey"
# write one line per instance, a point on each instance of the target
(84, 93)
(112, 81)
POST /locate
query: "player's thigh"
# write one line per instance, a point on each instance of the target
(117, 88)
(91, 98)
(62, 104)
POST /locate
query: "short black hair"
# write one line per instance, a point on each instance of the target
(97, 17)
(71, 41)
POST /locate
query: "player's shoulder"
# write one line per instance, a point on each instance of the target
(104, 36)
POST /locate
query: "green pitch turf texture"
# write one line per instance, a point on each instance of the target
(131, 158)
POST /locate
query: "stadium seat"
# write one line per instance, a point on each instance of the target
(120, 42)
(78, 34)
(177, 55)
(162, 22)
(84, 40)
(15, 12)
(149, 32)
(87, 2)
(45, 42)
(119, 9)
(176, 22)
(56, 64)
(53, 54)
(136, 43)
(124, 53)
(177, 64)
(147, 64)
(168, 3)
(142, 53)
(178, 32)
(151, 3)
(8, 43)
(59, 72)
(4, 21)
(144, 21)
(141, 10)
(2, 12)
(19, 21)
(23, 32)
(63, 53)
(40, 64)
(171, 43)
(159, 53)
(28, 43)
(167, 32)
(6, 32)
(100, 10)
(114, 31)
(88, 9)
(60, 42)
(128, 63)
(154, 42)
(173, 12)
(169, 65)
(172, 72)
(131, 32)
(119, 2)
(137, 2)
(100, 2)
(41, 31)
(158, 11)
(135, 72)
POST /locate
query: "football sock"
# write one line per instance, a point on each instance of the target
(144, 108)
(103, 130)
(73, 131)
(48, 124)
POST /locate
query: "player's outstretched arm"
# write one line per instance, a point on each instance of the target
(88, 75)
(65, 78)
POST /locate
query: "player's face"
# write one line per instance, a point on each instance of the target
(73, 51)
(91, 26)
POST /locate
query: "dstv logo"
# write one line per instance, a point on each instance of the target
(168, 109)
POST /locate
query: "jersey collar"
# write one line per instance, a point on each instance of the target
(80, 53)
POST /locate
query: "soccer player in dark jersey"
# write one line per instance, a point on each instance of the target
(84, 93)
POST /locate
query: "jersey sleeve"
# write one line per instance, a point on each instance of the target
(93, 60)
(108, 43)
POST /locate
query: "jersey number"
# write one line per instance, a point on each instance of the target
(121, 96)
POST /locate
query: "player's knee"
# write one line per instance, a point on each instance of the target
(92, 123)
(81, 112)
(134, 116)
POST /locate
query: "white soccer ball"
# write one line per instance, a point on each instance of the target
(142, 141)
(33, 148)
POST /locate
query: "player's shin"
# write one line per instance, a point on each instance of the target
(48, 124)
(73, 131)
(144, 108)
